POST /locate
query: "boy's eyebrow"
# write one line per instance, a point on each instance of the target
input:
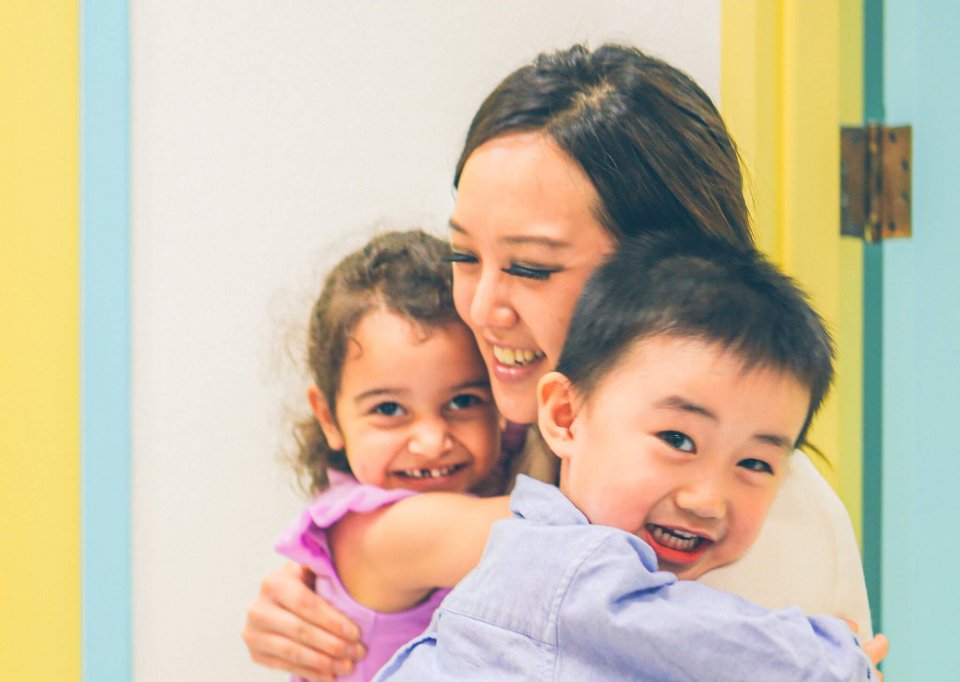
(675, 402)
(548, 242)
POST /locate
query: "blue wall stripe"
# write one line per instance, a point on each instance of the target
(105, 338)
(873, 336)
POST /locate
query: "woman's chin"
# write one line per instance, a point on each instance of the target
(517, 404)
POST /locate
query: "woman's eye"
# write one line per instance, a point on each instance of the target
(465, 401)
(756, 465)
(460, 257)
(530, 273)
(387, 409)
(680, 441)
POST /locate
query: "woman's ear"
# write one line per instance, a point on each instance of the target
(321, 409)
(556, 411)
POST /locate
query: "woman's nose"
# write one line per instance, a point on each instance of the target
(491, 305)
(430, 438)
(706, 498)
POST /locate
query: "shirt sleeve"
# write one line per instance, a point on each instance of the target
(614, 622)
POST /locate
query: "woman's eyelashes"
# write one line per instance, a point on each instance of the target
(536, 272)
(530, 272)
(460, 257)
(678, 440)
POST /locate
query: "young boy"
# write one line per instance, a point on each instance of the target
(689, 375)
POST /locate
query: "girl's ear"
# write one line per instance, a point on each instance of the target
(556, 411)
(324, 415)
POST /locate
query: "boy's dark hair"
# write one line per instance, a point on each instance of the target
(702, 289)
(647, 136)
(406, 273)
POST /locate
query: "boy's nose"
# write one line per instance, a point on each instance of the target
(705, 498)
(430, 438)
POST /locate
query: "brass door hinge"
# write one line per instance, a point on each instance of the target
(875, 193)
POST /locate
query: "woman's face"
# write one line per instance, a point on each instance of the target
(525, 239)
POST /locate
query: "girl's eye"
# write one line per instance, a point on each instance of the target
(460, 257)
(756, 465)
(387, 409)
(680, 441)
(530, 273)
(465, 401)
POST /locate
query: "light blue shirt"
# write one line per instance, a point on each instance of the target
(556, 598)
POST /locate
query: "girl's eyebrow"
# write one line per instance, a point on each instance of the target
(377, 392)
(521, 239)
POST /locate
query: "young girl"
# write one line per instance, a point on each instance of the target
(401, 403)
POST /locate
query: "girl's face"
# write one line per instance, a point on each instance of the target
(414, 410)
(525, 239)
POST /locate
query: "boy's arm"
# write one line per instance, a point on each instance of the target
(616, 617)
(390, 559)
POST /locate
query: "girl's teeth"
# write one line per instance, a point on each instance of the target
(515, 357)
(429, 473)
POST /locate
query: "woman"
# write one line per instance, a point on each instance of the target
(568, 157)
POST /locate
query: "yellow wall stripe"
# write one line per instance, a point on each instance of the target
(781, 94)
(39, 355)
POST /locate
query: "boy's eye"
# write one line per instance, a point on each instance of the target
(460, 257)
(465, 401)
(387, 409)
(528, 272)
(756, 465)
(680, 441)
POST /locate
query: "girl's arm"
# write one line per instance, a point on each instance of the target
(392, 558)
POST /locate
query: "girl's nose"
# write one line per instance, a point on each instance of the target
(491, 305)
(706, 498)
(430, 438)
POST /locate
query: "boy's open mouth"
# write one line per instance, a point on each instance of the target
(675, 546)
(439, 472)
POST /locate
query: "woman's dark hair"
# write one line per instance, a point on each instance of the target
(650, 140)
(406, 273)
(704, 289)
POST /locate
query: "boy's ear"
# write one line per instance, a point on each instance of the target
(556, 411)
(321, 409)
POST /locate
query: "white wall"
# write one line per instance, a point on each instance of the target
(268, 135)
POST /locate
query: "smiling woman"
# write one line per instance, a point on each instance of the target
(569, 159)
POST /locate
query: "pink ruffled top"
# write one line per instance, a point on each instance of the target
(306, 543)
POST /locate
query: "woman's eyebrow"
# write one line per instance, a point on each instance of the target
(519, 239)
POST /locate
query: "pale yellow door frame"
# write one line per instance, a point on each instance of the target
(791, 75)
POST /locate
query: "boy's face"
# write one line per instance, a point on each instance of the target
(678, 444)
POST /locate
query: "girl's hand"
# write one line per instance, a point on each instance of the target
(290, 628)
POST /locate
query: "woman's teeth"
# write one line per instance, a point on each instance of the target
(676, 539)
(515, 357)
(429, 473)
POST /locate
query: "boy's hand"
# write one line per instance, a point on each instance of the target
(290, 628)
(876, 648)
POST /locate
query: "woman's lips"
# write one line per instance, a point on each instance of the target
(511, 365)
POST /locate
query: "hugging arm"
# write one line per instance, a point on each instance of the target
(686, 630)
(387, 559)
(290, 628)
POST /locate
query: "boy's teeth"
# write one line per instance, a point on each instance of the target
(675, 539)
(515, 357)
